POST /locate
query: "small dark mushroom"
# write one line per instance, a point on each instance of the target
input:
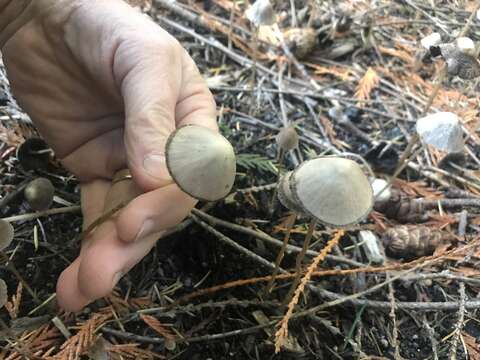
(39, 194)
(34, 154)
(301, 41)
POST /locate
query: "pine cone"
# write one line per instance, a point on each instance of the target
(413, 241)
(400, 207)
(301, 41)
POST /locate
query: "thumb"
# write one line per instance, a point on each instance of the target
(150, 88)
(162, 91)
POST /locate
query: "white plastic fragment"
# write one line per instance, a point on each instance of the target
(370, 244)
(431, 40)
(261, 13)
(441, 130)
(381, 192)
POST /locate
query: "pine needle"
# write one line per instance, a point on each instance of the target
(155, 325)
(366, 84)
(14, 305)
(81, 342)
(282, 332)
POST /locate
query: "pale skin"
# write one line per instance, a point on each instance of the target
(105, 86)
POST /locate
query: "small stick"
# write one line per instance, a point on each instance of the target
(36, 215)
(281, 253)
(299, 261)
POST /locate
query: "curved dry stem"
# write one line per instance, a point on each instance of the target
(299, 261)
(281, 253)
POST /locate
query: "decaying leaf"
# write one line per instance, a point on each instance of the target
(473, 347)
(157, 326)
(366, 84)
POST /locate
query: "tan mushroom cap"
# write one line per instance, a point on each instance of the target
(6, 234)
(3, 293)
(39, 194)
(201, 162)
(287, 138)
(333, 190)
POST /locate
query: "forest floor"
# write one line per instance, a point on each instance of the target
(200, 293)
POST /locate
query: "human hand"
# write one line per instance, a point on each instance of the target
(105, 86)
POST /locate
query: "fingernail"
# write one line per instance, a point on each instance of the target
(145, 230)
(117, 277)
(156, 166)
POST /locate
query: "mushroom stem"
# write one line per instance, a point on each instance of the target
(281, 253)
(299, 261)
(280, 157)
(121, 192)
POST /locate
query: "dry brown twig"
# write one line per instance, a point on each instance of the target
(282, 332)
(80, 343)
(14, 305)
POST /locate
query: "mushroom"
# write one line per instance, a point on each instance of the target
(301, 41)
(333, 190)
(261, 13)
(287, 139)
(39, 194)
(6, 234)
(201, 162)
(441, 130)
(459, 56)
(285, 195)
(3, 293)
(34, 154)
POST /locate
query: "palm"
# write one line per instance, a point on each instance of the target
(61, 95)
(105, 87)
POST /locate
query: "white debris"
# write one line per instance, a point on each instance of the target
(431, 40)
(381, 192)
(370, 244)
(441, 130)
